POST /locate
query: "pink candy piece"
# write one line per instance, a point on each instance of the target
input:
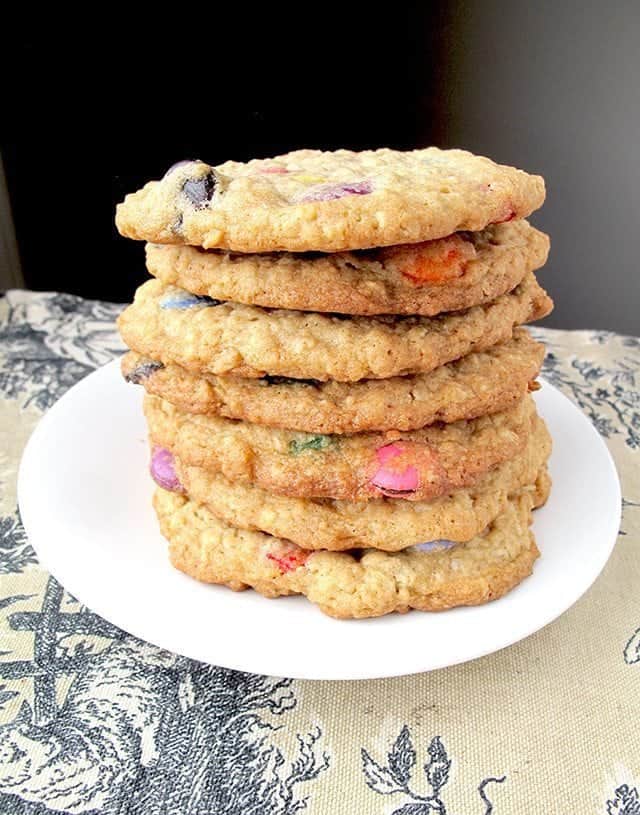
(509, 215)
(433, 546)
(330, 192)
(388, 452)
(288, 561)
(388, 478)
(163, 471)
(274, 170)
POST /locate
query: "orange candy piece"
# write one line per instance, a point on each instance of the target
(431, 261)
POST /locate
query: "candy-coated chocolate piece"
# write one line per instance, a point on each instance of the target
(181, 299)
(431, 261)
(433, 546)
(395, 475)
(417, 195)
(178, 164)
(330, 192)
(317, 442)
(163, 470)
(288, 561)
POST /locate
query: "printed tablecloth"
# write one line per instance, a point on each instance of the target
(92, 720)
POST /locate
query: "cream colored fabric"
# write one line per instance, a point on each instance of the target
(93, 720)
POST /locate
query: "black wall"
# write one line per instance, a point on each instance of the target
(551, 90)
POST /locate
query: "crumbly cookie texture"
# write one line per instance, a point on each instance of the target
(205, 336)
(311, 200)
(367, 583)
(384, 523)
(418, 465)
(482, 382)
(448, 274)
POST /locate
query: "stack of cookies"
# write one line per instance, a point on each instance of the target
(337, 380)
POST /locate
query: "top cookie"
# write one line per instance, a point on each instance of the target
(310, 200)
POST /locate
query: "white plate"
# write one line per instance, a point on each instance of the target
(85, 498)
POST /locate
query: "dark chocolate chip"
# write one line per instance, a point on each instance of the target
(200, 190)
(287, 380)
(143, 371)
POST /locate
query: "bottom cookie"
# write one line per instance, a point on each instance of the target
(361, 583)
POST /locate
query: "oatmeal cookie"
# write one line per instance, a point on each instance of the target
(482, 382)
(382, 523)
(311, 200)
(170, 325)
(417, 465)
(448, 274)
(360, 583)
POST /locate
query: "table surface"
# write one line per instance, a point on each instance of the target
(93, 720)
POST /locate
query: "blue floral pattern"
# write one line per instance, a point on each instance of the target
(180, 736)
(15, 551)
(395, 776)
(72, 338)
(610, 396)
(625, 802)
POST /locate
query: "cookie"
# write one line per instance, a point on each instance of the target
(448, 274)
(205, 336)
(362, 583)
(310, 200)
(383, 523)
(418, 465)
(482, 382)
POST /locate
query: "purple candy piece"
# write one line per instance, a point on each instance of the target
(179, 164)
(163, 471)
(330, 192)
(433, 546)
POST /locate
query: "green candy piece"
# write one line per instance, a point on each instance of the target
(318, 442)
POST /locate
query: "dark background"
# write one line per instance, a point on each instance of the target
(551, 88)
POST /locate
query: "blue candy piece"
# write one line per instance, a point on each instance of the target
(180, 299)
(433, 546)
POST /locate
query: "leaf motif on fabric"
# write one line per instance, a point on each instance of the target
(379, 779)
(438, 766)
(396, 777)
(402, 758)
